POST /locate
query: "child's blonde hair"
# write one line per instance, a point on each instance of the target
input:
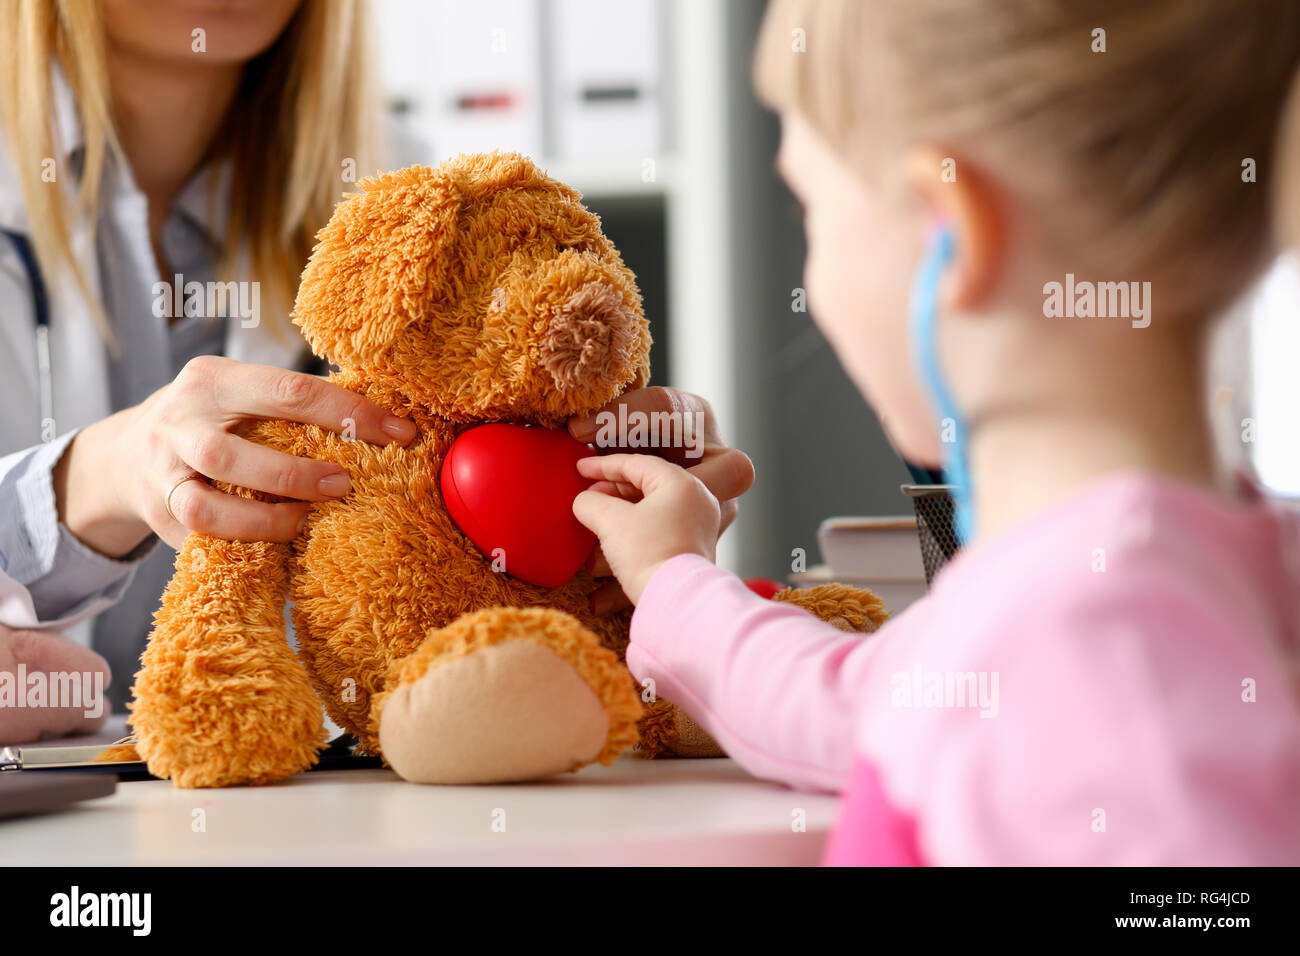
(1151, 127)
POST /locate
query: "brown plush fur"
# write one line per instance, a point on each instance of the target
(848, 608)
(478, 291)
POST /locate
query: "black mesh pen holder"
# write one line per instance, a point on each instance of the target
(933, 505)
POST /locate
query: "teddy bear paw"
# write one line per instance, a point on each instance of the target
(504, 695)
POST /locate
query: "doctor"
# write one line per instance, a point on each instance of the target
(172, 141)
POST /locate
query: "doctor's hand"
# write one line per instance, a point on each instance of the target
(726, 472)
(645, 511)
(50, 654)
(126, 475)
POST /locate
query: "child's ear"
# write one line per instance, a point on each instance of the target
(960, 195)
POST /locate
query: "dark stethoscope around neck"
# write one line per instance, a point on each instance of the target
(41, 309)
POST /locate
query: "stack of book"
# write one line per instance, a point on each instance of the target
(880, 554)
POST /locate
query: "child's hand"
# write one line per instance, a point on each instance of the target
(645, 511)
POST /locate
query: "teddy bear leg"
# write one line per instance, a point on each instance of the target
(220, 698)
(505, 694)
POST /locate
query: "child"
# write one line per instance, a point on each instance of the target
(1106, 674)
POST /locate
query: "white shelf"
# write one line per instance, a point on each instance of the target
(610, 179)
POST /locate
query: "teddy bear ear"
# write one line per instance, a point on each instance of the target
(377, 264)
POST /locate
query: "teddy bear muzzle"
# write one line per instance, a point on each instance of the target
(591, 340)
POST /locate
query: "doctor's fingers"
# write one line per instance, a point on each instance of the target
(225, 457)
(238, 390)
(728, 473)
(197, 506)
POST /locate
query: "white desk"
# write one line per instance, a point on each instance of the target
(637, 811)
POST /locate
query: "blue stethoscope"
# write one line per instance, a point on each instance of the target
(41, 307)
(924, 325)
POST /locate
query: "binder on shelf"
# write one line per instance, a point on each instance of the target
(605, 83)
(467, 75)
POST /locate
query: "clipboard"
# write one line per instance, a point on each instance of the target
(30, 794)
(339, 754)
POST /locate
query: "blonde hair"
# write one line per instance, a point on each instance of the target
(1288, 187)
(1146, 143)
(303, 109)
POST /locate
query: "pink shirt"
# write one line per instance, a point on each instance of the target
(1113, 682)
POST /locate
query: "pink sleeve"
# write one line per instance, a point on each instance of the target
(772, 684)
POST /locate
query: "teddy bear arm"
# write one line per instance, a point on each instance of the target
(846, 607)
(220, 698)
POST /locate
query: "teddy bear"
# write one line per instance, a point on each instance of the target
(480, 291)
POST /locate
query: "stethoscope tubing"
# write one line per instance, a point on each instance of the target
(41, 310)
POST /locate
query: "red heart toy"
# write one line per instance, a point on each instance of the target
(511, 487)
(764, 587)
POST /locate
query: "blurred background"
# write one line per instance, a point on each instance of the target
(646, 107)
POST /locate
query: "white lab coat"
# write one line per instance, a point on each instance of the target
(78, 353)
